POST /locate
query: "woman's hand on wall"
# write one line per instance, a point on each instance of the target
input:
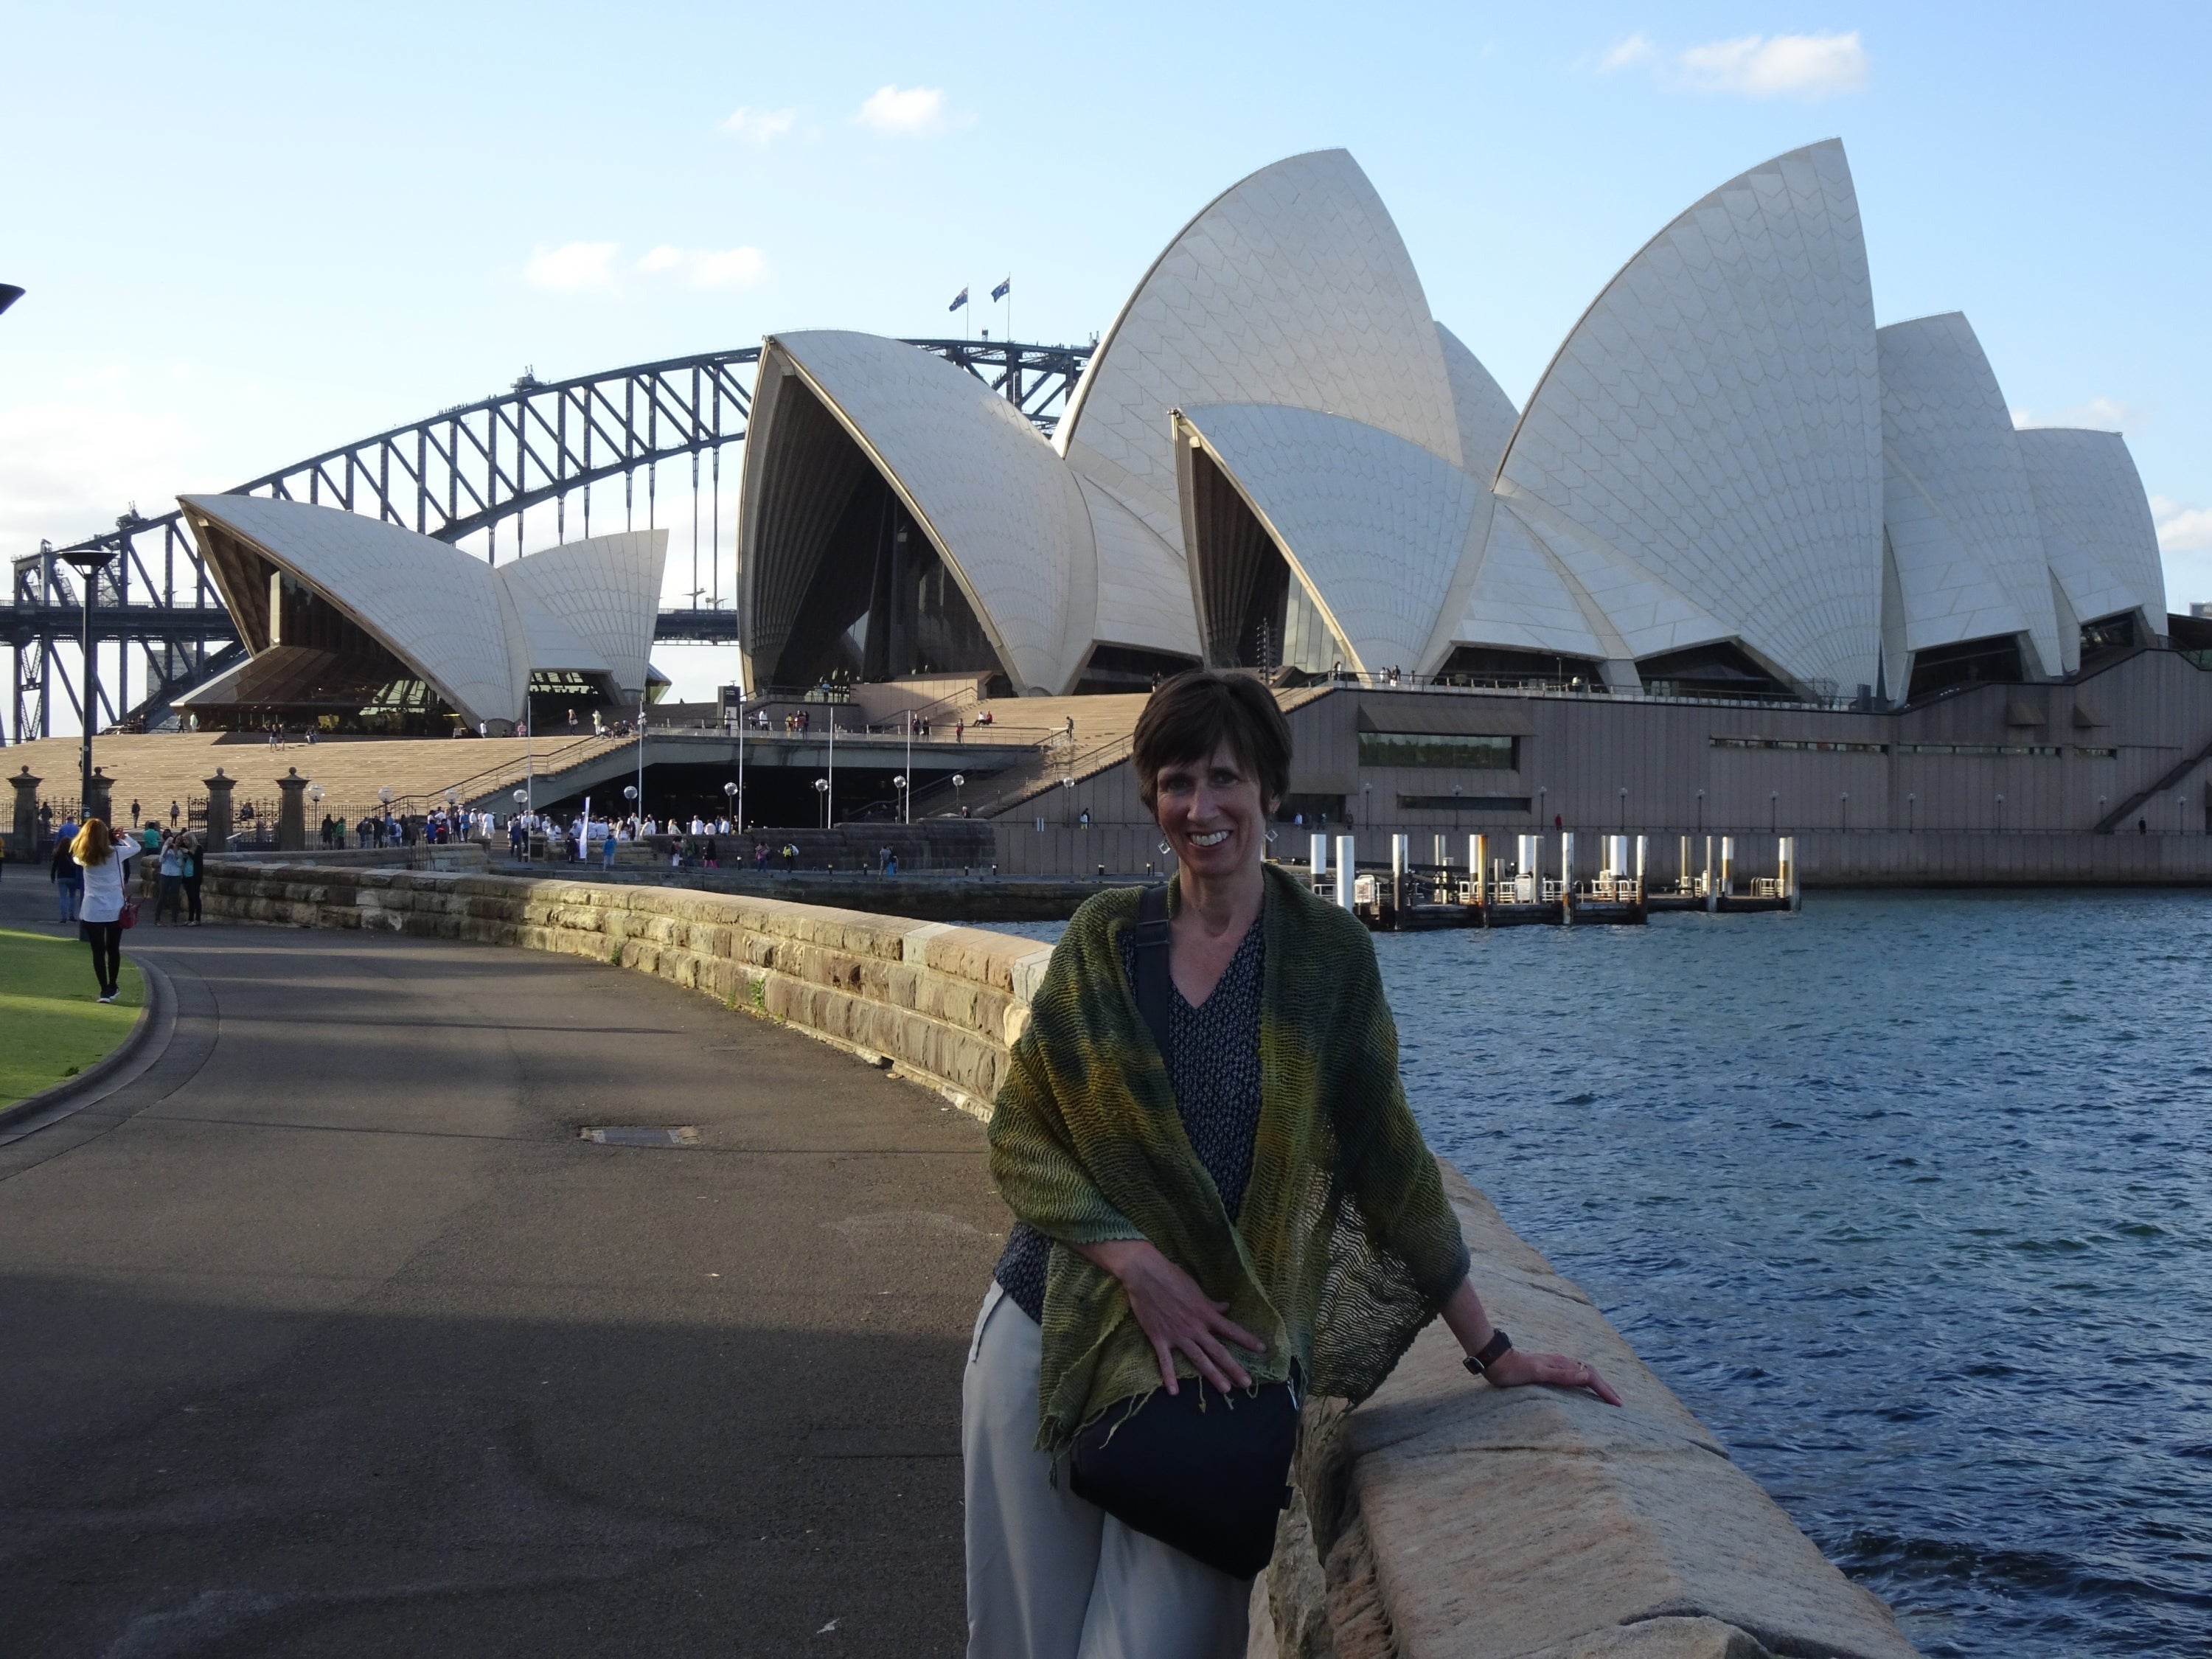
(1175, 1313)
(1516, 1368)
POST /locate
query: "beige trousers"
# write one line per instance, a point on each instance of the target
(1050, 1577)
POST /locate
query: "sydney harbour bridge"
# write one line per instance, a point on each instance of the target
(634, 447)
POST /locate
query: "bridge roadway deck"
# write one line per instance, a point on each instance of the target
(329, 1336)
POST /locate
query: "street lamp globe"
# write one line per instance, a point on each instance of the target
(630, 792)
(384, 793)
(315, 792)
(521, 797)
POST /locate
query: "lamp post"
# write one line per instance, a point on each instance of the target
(1624, 808)
(631, 795)
(87, 563)
(737, 821)
(315, 794)
(1911, 813)
(741, 760)
(522, 801)
(2180, 807)
(1773, 810)
(1701, 811)
(959, 783)
(384, 799)
(637, 792)
(1067, 791)
(2000, 814)
(1542, 791)
(905, 795)
(1844, 807)
(822, 788)
(899, 783)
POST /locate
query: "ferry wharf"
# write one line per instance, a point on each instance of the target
(1406, 896)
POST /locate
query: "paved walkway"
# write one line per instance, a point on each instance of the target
(329, 1336)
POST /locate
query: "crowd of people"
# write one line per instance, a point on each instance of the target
(439, 827)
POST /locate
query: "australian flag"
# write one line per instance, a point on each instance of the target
(958, 301)
(1003, 290)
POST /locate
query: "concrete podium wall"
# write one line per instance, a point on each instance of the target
(1441, 1520)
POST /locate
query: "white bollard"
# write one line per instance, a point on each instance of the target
(1641, 847)
(1728, 866)
(1567, 875)
(1320, 857)
(1712, 892)
(1478, 865)
(1345, 859)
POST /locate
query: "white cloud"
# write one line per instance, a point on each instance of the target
(707, 268)
(571, 266)
(1766, 66)
(761, 127)
(2181, 528)
(2099, 414)
(1634, 50)
(1754, 66)
(903, 109)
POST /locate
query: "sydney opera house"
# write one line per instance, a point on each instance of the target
(1728, 483)
(360, 624)
(1743, 557)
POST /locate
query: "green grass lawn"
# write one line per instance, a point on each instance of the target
(52, 1024)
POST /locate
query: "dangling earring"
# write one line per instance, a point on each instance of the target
(1270, 838)
(1164, 847)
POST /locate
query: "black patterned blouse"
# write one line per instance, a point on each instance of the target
(1213, 1059)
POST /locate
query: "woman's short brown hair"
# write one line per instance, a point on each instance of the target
(1192, 713)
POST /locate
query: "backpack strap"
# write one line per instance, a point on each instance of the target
(1150, 938)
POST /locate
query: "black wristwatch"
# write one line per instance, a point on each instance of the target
(1496, 1349)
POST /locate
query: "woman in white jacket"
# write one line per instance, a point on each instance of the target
(103, 858)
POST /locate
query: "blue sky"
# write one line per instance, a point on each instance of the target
(252, 231)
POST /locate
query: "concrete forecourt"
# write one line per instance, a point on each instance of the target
(349, 1335)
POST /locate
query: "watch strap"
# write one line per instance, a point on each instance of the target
(1491, 1351)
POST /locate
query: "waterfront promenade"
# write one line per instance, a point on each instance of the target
(328, 1335)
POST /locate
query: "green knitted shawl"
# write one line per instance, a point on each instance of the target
(1344, 1246)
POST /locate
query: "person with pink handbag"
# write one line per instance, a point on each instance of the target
(105, 909)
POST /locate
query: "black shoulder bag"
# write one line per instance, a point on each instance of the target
(1200, 1470)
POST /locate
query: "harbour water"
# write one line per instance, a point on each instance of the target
(1909, 1197)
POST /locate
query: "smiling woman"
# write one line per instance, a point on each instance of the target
(1217, 1186)
(55, 1028)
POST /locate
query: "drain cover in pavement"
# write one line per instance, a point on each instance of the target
(684, 1136)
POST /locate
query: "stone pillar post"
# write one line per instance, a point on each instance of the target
(23, 841)
(292, 814)
(98, 805)
(218, 813)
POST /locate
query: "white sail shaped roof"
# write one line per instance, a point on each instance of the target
(1291, 288)
(1143, 593)
(1485, 414)
(604, 591)
(1714, 418)
(471, 631)
(440, 611)
(1373, 525)
(1958, 509)
(2098, 534)
(1003, 512)
(1516, 596)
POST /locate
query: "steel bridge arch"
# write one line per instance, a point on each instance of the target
(462, 474)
